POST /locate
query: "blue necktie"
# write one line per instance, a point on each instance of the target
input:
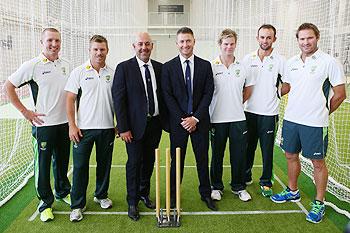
(189, 88)
(149, 91)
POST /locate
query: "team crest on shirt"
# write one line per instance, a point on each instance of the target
(108, 78)
(313, 68)
(64, 72)
(270, 67)
(238, 71)
(43, 145)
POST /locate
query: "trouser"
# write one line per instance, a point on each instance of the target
(139, 167)
(104, 142)
(51, 143)
(261, 128)
(237, 134)
(200, 145)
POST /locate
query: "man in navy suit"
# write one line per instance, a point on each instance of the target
(140, 115)
(187, 83)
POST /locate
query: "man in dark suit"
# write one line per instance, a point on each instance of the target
(140, 115)
(187, 83)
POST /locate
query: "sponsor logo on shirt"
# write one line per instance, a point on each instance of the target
(89, 78)
(46, 72)
(253, 65)
(294, 69)
(317, 153)
(219, 73)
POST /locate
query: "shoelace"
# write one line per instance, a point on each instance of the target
(316, 208)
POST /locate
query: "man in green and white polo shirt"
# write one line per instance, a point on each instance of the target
(89, 90)
(232, 87)
(261, 109)
(316, 86)
(46, 75)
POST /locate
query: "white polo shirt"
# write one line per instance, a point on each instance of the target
(307, 102)
(95, 105)
(227, 103)
(47, 80)
(267, 73)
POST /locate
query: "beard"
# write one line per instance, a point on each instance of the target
(267, 47)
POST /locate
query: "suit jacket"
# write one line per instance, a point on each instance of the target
(130, 100)
(175, 94)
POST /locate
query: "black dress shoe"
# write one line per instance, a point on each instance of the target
(148, 203)
(133, 212)
(210, 203)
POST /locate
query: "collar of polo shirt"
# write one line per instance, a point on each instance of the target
(45, 60)
(314, 56)
(88, 66)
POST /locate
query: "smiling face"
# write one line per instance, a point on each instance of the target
(185, 43)
(228, 46)
(143, 46)
(51, 43)
(98, 53)
(266, 38)
(307, 41)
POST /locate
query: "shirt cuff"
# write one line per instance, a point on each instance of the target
(195, 118)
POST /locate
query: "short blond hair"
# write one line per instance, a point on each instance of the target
(227, 33)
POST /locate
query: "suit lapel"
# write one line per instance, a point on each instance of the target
(180, 72)
(196, 75)
(136, 72)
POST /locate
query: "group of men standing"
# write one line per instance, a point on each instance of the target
(189, 98)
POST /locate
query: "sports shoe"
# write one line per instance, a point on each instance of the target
(266, 191)
(46, 215)
(66, 199)
(76, 215)
(286, 195)
(317, 212)
(249, 182)
(216, 195)
(105, 203)
(243, 195)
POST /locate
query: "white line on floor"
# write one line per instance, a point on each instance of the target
(192, 213)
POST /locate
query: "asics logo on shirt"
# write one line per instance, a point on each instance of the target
(46, 72)
(219, 73)
(254, 65)
(294, 69)
(89, 78)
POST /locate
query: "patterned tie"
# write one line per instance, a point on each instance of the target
(189, 88)
(149, 91)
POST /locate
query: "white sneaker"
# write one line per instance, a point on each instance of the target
(216, 195)
(243, 195)
(76, 215)
(105, 203)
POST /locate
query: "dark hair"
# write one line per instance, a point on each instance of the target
(98, 39)
(268, 26)
(308, 26)
(185, 30)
